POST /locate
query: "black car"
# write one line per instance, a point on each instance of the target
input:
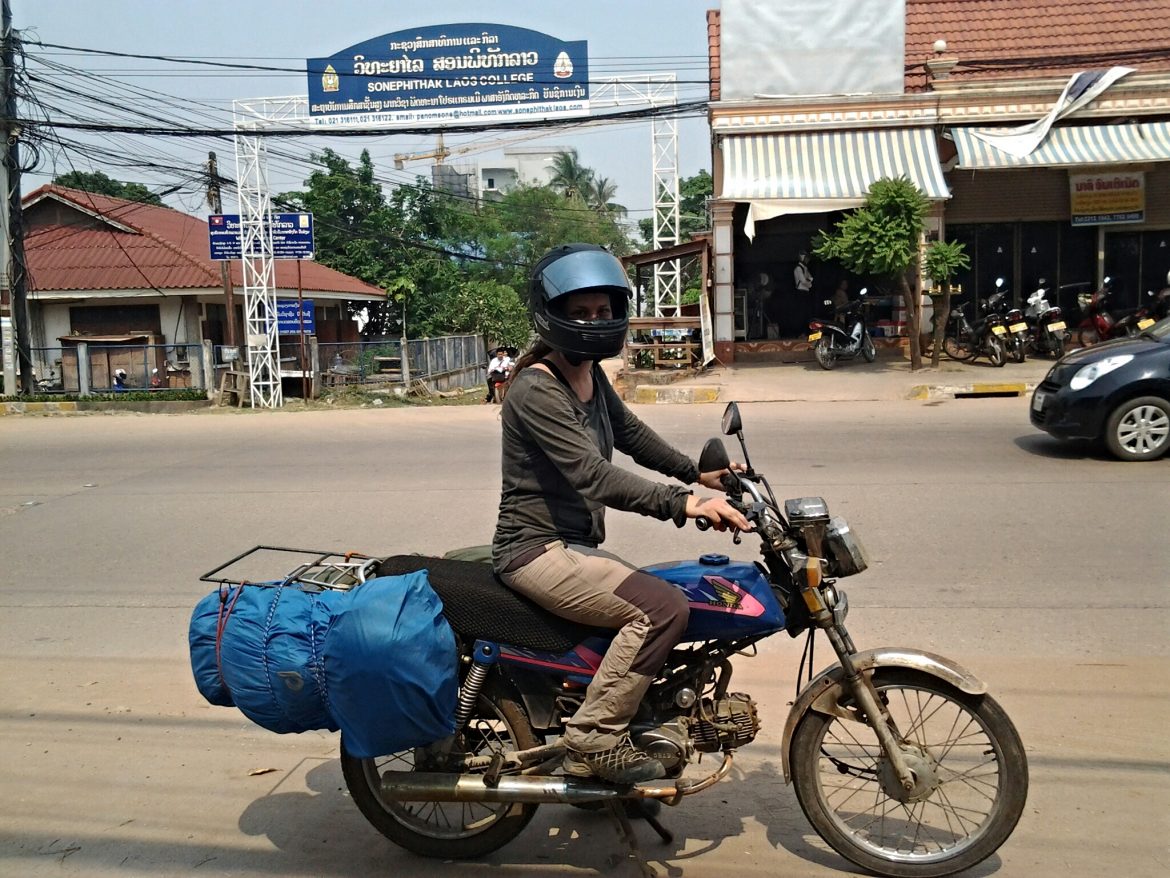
(1117, 392)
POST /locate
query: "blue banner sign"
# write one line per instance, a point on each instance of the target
(456, 73)
(286, 317)
(292, 235)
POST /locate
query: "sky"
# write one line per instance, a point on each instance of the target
(625, 39)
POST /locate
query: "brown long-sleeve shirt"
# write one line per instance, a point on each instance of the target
(558, 477)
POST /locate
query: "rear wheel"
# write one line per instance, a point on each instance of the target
(823, 351)
(1139, 429)
(1087, 336)
(1057, 346)
(969, 765)
(1017, 349)
(449, 830)
(995, 353)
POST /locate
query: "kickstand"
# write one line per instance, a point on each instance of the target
(621, 812)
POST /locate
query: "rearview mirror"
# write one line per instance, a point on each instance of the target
(731, 423)
(714, 456)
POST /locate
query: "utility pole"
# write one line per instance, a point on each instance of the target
(14, 213)
(225, 275)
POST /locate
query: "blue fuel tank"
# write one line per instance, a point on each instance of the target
(728, 599)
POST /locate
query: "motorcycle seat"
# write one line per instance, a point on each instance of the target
(478, 605)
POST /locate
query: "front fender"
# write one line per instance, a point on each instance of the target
(826, 689)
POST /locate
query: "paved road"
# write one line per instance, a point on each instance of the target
(1042, 568)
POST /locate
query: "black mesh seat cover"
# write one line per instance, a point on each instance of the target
(480, 606)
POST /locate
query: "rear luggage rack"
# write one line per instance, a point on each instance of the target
(339, 571)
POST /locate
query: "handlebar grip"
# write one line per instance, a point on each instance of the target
(702, 522)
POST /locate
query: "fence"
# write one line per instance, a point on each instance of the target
(83, 368)
(442, 363)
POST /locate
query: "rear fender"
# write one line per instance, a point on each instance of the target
(825, 692)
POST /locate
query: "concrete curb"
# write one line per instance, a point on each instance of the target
(665, 393)
(977, 389)
(72, 407)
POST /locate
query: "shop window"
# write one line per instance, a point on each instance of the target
(1078, 267)
(1155, 260)
(1039, 258)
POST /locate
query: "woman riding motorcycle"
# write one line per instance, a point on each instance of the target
(561, 422)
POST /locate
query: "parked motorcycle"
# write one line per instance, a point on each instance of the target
(1016, 341)
(966, 341)
(899, 758)
(1046, 329)
(1097, 323)
(842, 339)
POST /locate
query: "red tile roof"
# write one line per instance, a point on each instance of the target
(113, 244)
(997, 39)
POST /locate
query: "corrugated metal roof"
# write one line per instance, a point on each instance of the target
(165, 249)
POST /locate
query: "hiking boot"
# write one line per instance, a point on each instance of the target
(620, 764)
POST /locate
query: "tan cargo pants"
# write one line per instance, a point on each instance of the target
(593, 587)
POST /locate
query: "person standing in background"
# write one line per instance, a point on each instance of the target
(802, 308)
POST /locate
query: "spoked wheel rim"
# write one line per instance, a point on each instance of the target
(824, 354)
(956, 759)
(449, 820)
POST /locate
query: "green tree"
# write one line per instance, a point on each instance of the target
(944, 260)
(571, 178)
(881, 238)
(447, 266)
(601, 193)
(99, 184)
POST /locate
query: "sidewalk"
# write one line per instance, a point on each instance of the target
(889, 378)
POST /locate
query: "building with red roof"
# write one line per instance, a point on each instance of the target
(810, 103)
(109, 270)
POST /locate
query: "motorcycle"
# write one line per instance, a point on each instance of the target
(899, 758)
(842, 339)
(1097, 323)
(966, 341)
(1046, 329)
(1016, 341)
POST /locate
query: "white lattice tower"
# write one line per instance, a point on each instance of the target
(658, 90)
(256, 262)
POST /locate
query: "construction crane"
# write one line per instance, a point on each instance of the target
(441, 152)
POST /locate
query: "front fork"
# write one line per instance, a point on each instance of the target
(830, 618)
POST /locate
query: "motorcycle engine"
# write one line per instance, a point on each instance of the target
(668, 743)
(731, 721)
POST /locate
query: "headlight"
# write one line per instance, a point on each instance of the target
(1086, 375)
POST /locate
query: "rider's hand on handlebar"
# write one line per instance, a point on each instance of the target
(718, 511)
(712, 479)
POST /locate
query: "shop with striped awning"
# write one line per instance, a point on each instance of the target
(824, 171)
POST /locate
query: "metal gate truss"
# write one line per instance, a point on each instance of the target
(255, 205)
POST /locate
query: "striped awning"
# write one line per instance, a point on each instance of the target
(829, 169)
(1068, 147)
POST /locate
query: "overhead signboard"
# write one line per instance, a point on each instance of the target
(1101, 199)
(292, 235)
(456, 73)
(289, 323)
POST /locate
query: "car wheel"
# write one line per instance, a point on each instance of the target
(1139, 429)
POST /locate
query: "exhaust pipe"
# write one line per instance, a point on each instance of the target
(428, 786)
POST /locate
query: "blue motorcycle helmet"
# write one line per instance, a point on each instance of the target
(579, 268)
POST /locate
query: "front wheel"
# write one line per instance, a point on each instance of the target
(448, 830)
(868, 351)
(958, 350)
(968, 761)
(823, 351)
(1139, 429)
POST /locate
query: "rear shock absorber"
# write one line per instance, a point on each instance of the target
(483, 656)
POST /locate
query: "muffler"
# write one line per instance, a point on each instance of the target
(427, 786)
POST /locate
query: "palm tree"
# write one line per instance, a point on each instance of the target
(600, 197)
(570, 177)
